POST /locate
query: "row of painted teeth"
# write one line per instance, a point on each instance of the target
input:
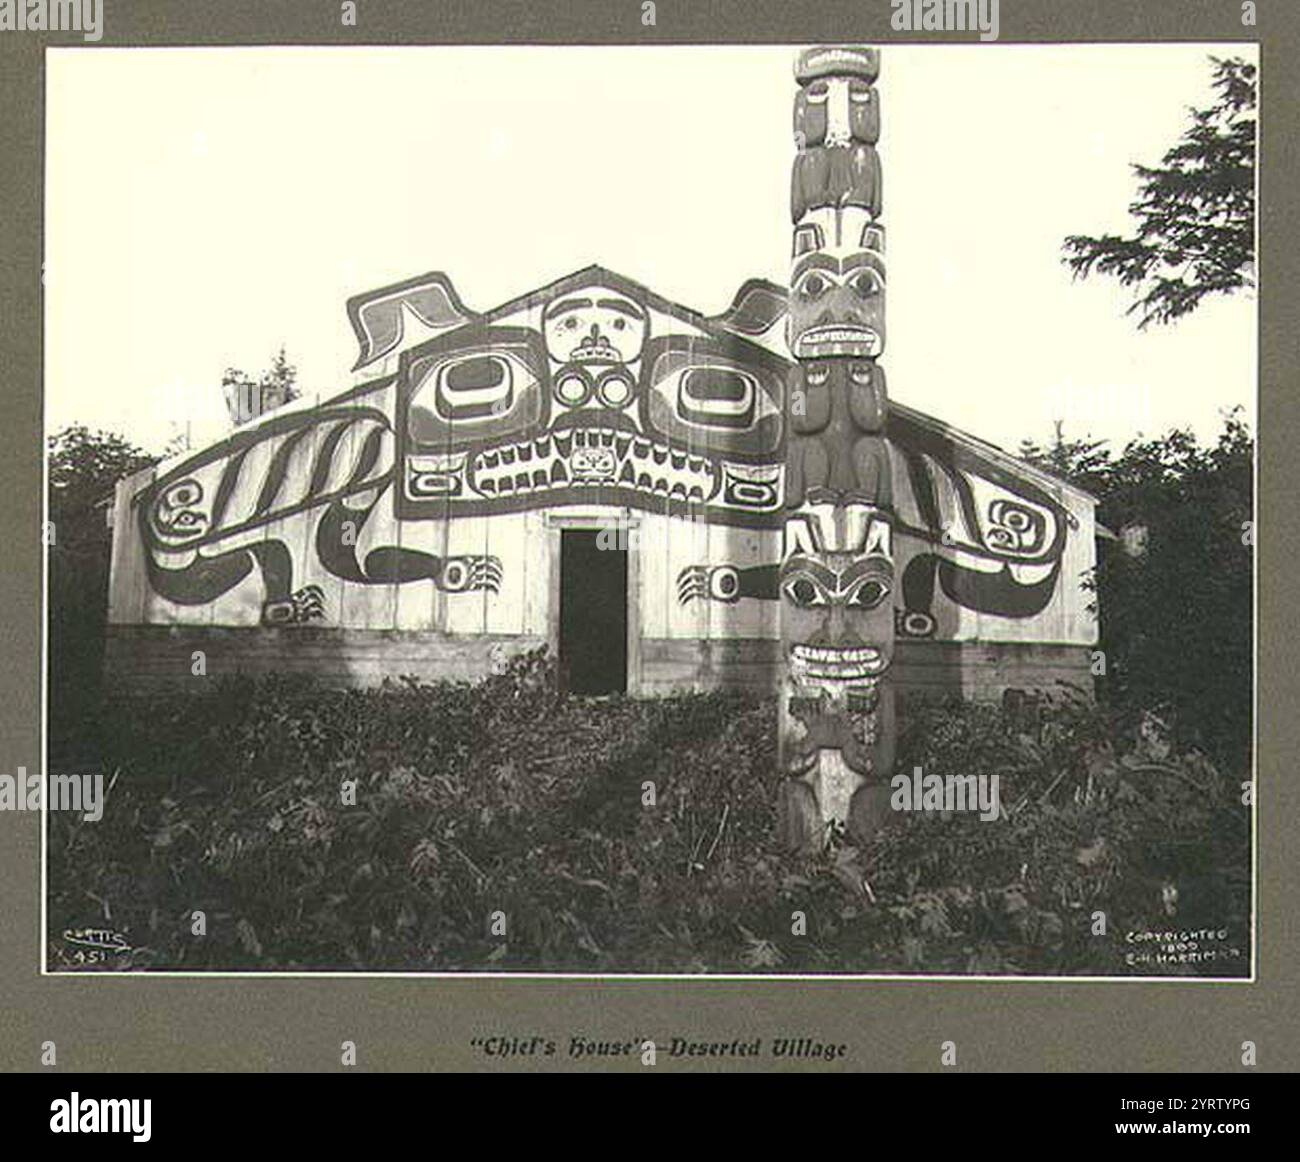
(593, 457)
(841, 672)
(835, 654)
(558, 477)
(840, 335)
(620, 442)
(860, 675)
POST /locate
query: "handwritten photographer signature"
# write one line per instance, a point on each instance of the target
(93, 945)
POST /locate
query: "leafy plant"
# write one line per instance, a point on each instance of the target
(1195, 213)
(1176, 620)
(618, 835)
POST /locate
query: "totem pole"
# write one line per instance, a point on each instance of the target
(837, 569)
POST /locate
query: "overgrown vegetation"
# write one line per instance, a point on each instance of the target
(83, 468)
(507, 797)
(1177, 617)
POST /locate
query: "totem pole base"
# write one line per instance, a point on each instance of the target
(813, 807)
(833, 796)
(806, 821)
(799, 825)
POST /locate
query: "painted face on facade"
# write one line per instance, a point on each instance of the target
(837, 286)
(837, 111)
(594, 326)
(608, 397)
(837, 578)
(594, 337)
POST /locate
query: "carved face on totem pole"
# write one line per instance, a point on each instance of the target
(835, 111)
(837, 570)
(837, 286)
(837, 580)
(837, 709)
(837, 104)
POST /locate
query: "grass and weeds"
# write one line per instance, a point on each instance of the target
(508, 799)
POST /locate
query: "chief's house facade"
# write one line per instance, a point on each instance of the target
(588, 467)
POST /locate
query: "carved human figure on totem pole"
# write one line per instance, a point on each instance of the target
(837, 572)
(836, 329)
(837, 709)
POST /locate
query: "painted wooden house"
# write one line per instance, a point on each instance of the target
(589, 467)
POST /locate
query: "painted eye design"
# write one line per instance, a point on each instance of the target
(708, 402)
(815, 374)
(462, 396)
(454, 575)
(175, 513)
(616, 388)
(803, 591)
(718, 397)
(867, 594)
(182, 495)
(861, 374)
(479, 386)
(859, 92)
(818, 92)
(867, 284)
(724, 584)
(573, 388)
(813, 286)
(1015, 528)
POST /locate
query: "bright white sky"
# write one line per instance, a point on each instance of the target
(205, 206)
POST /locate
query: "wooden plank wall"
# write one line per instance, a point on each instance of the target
(969, 669)
(143, 657)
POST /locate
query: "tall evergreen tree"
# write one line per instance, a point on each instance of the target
(1195, 212)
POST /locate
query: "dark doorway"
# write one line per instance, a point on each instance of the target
(593, 613)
